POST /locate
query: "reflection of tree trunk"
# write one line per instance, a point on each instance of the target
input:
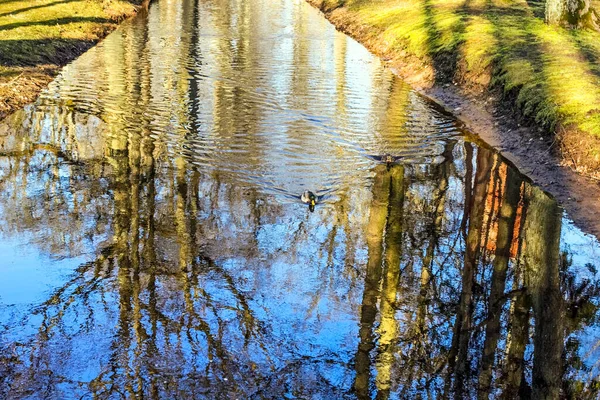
(463, 228)
(388, 329)
(149, 251)
(514, 378)
(181, 220)
(468, 187)
(375, 230)
(439, 204)
(506, 221)
(541, 233)
(122, 219)
(134, 165)
(461, 334)
(147, 213)
(195, 57)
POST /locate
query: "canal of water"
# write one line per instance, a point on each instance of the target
(153, 242)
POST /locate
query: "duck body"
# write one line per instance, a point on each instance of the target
(386, 159)
(309, 198)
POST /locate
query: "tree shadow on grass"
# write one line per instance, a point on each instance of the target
(33, 52)
(29, 53)
(587, 51)
(54, 22)
(537, 7)
(22, 10)
(9, 1)
(445, 62)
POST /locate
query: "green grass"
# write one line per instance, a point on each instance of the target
(553, 74)
(39, 36)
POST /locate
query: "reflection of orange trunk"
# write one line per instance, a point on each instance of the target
(465, 312)
(504, 238)
(496, 188)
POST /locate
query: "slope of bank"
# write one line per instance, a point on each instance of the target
(549, 76)
(530, 90)
(38, 37)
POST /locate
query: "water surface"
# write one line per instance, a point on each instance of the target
(153, 243)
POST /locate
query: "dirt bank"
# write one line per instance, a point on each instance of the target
(565, 164)
(39, 37)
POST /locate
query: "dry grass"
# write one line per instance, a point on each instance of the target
(552, 74)
(37, 37)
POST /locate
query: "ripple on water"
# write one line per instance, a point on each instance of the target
(258, 117)
(150, 221)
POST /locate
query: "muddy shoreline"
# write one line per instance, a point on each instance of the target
(488, 115)
(531, 152)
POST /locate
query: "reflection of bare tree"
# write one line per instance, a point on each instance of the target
(39, 198)
(541, 234)
(197, 285)
(504, 241)
(130, 263)
(459, 355)
(156, 274)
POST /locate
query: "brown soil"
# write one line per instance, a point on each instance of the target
(24, 88)
(493, 118)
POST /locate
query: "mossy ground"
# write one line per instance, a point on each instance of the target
(551, 74)
(37, 37)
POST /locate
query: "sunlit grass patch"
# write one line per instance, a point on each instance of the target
(410, 23)
(563, 88)
(406, 32)
(478, 49)
(66, 19)
(449, 27)
(36, 37)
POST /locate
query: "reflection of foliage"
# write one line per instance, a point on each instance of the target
(582, 298)
(582, 295)
(146, 318)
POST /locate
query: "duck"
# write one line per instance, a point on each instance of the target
(388, 159)
(385, 158)
(309, 198)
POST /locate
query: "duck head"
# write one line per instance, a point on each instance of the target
(388, 159)
(309, 198)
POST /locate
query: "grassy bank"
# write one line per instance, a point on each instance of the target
(37, 37)
(550, 75)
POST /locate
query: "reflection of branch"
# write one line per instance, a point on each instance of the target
(33, 147)
(82, 290)
(294, 366)
(248, 317)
